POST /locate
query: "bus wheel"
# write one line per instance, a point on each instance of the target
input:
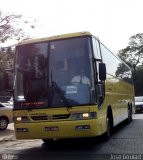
(108, 128)
(48, 141)
(107, 135)
(129, 119)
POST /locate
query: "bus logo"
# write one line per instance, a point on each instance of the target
(50, 117)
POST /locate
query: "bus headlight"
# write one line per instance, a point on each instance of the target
(18, 119)
(21, 119)
(86, 115)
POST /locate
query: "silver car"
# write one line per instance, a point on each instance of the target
(6, 116)
(139, 104)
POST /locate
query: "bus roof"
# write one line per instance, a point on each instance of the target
(56, 37)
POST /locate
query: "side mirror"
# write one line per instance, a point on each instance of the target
(102, 71)
(8, 80)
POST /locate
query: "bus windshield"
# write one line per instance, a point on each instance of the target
(54, 74)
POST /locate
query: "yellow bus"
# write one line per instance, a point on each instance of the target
(69, 86)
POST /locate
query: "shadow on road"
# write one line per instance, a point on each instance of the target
(74, 145)
(68, 149)
(80, 148)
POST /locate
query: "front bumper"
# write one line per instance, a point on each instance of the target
(64, 129)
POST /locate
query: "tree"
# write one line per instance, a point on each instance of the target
(133, 56)
(133, 53)
(138, 81)
(10, 27)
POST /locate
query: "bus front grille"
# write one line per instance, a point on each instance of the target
(50, 117)
(61, 116)
(37, 118)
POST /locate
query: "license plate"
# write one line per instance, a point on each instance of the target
(52, 128)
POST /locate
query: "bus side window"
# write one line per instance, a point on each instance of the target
(96, 49)
(100, 88)
(97, 56)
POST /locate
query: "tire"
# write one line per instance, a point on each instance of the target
(48, 141)
(3, 123)
(107, 135)
(129, 119)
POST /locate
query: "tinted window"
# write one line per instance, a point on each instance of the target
(115, 67)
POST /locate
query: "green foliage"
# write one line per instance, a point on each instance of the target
(133, 53)
(133, 56)
(138, 81)
(11, 27)
(121, 70)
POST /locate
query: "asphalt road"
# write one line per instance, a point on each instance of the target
(126, 143)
